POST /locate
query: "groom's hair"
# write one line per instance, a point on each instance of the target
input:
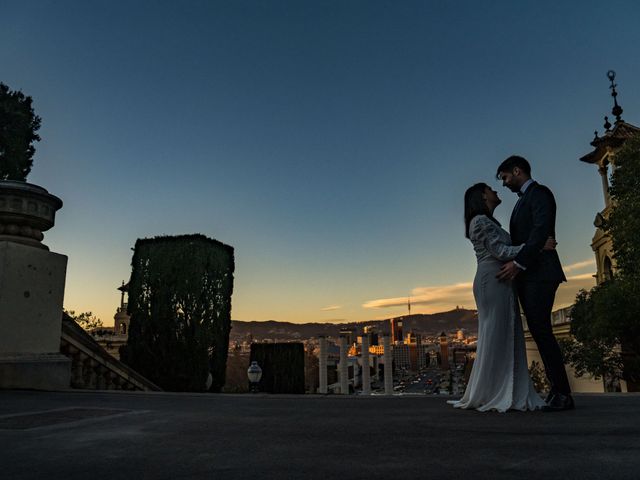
(512, 162)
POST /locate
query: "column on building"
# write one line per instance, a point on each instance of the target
(322, 366)
(366, 377)
(388, 365)
(604, 174)
(344, 366)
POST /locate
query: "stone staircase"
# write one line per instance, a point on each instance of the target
(92, 367)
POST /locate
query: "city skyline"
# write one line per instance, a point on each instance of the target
(330, 144)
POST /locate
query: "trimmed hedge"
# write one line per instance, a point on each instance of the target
(180, 306)
(282, 366)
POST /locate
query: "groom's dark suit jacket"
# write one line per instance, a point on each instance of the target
(533, 220)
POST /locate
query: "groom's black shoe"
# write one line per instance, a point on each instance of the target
(549, 396)
(559, 402)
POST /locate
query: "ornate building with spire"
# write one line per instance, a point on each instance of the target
(603, 156)
(112, 338)
(121, 318)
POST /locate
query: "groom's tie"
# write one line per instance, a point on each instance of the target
(517, 205)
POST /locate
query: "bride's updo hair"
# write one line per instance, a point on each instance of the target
(474, 204)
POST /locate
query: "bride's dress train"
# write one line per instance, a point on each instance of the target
(500, 378)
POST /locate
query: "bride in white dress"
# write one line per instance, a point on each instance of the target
(500, 378)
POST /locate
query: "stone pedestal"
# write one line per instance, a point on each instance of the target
(35, 372)
(31, 293)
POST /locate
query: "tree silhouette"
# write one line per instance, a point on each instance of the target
(18, 127)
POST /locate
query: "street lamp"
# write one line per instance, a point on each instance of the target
(254, 372)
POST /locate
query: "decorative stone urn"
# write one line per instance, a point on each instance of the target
(31, 291)
(26, 210)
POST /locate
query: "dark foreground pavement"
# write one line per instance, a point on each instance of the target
(171, 436)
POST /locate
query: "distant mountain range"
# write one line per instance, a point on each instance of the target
(424, 324)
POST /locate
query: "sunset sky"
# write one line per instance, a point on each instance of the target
(329, 142)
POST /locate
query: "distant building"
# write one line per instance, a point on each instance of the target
(402, 357)
(424, 355)
(413, 356)
(122, 319)
(112, 338)
(396, 330)
(376, 349)
(350, 334)
(372, 332)
(444, 351)
(461, 354)
(413, 338)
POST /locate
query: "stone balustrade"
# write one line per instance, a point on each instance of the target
(92, 368)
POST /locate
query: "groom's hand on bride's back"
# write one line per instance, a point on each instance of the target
(550, 244)
(509, 271)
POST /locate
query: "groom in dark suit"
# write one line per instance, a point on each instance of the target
(537, 273)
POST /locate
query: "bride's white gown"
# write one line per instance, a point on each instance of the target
(500, 378)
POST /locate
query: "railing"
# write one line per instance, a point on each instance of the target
(92, 367)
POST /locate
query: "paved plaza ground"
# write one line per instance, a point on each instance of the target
(100, 435)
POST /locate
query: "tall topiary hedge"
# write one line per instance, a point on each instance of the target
(282, 366)
(180, 306)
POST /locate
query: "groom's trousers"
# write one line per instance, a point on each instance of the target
(537, 299)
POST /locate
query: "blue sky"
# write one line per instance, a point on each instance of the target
(329, 142)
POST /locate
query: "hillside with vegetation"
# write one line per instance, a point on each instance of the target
(425, 324)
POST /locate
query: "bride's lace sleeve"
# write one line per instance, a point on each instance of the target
(484, 231)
